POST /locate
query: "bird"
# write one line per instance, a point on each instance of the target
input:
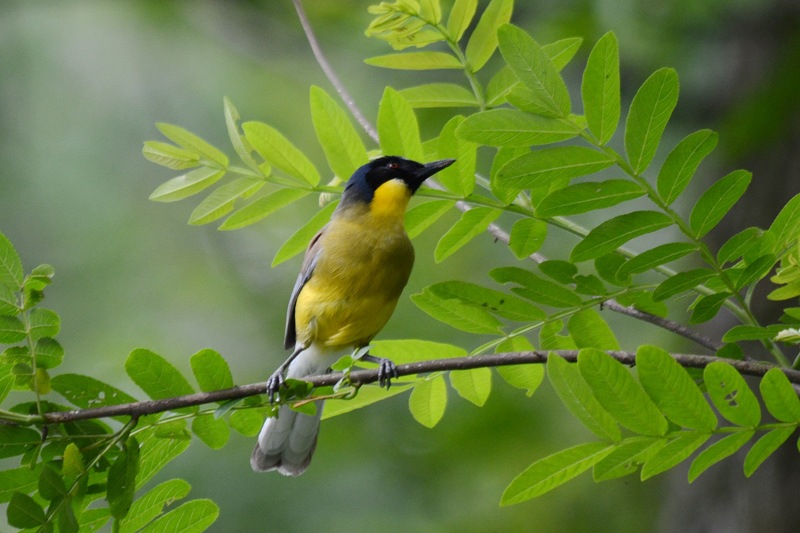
(352, 275)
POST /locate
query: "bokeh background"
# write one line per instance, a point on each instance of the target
(81, 85)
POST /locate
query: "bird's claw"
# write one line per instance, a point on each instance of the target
(386, 371)
(274, 384)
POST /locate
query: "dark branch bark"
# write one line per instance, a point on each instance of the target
(362, 377)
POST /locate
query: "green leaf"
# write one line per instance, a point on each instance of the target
(186, 185)
(626, 457)
(457, 314)
(460, 17)
(674, 452)
(122, 479)
(544, 167)
(527, 236)
(510, 127)
(412, 350)
(553, 471)
(248, 422)
(11, 330)
(156, 453)
(15, 440)
(43, 323)
(680, 282)
(191, 517)
(460, 176)
(366, 396)
(717, 201)
(23, 480)
(619, 394)
(755, 271)
(243, 150)
(50, 485)
(535, 288)
(732, 397)
(611, 234)
(786, 225)
(779, 396)
(673, 390)
(660, 255)
(192, 143)
(220, 202)
(648, 116)
(578, 398)
(170, 156)
(211, 370)
(707, 306)
(11, 273)
(473, 385)
(298, 242)
(471, 224)
(600, 88)
(9, 305)
(428, 400)
(736, 246)
(483, 41)
(262, 207)
(551, 339)
(588, 196)
(681, 164)
(562, 271)
(499, 303)
(439, 95)
(751, 333)
(561, 52)
(280, 152)
(416, 61)
(152, 504)
(589, 330)
(422, 216)
(397, 127)
(341, 143)
(24, 512)
(525, 377)
(48, 352)
(718, 451)
(212, 431)
(764, 447)
(86, 392)
(534, 69)
(156, 376)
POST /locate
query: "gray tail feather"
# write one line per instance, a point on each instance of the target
(287, 442)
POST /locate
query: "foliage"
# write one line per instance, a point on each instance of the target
(540, 153)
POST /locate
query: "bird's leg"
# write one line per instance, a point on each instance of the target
(276, 380)
(386, 369)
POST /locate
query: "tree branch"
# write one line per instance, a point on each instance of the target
(331, 74)
(363, 377)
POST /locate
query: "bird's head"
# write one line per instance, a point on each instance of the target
(389, 177)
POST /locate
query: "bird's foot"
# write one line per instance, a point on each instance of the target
(386, 369)
(274, 384)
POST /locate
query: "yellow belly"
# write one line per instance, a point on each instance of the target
(362, 270)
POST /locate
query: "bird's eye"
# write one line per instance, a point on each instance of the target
(393, 166)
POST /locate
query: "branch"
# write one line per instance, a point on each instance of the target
(331, 74)
(363, 377)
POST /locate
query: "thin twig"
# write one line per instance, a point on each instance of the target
(331, 74)
(363, 377)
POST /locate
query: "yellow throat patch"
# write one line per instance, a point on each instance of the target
(390, 200)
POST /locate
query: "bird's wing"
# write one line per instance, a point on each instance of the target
(306, 271)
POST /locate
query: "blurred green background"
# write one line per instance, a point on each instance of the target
(82, 84)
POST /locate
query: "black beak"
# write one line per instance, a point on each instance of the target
(429, 170)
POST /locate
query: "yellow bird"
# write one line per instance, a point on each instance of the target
(353, 273)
